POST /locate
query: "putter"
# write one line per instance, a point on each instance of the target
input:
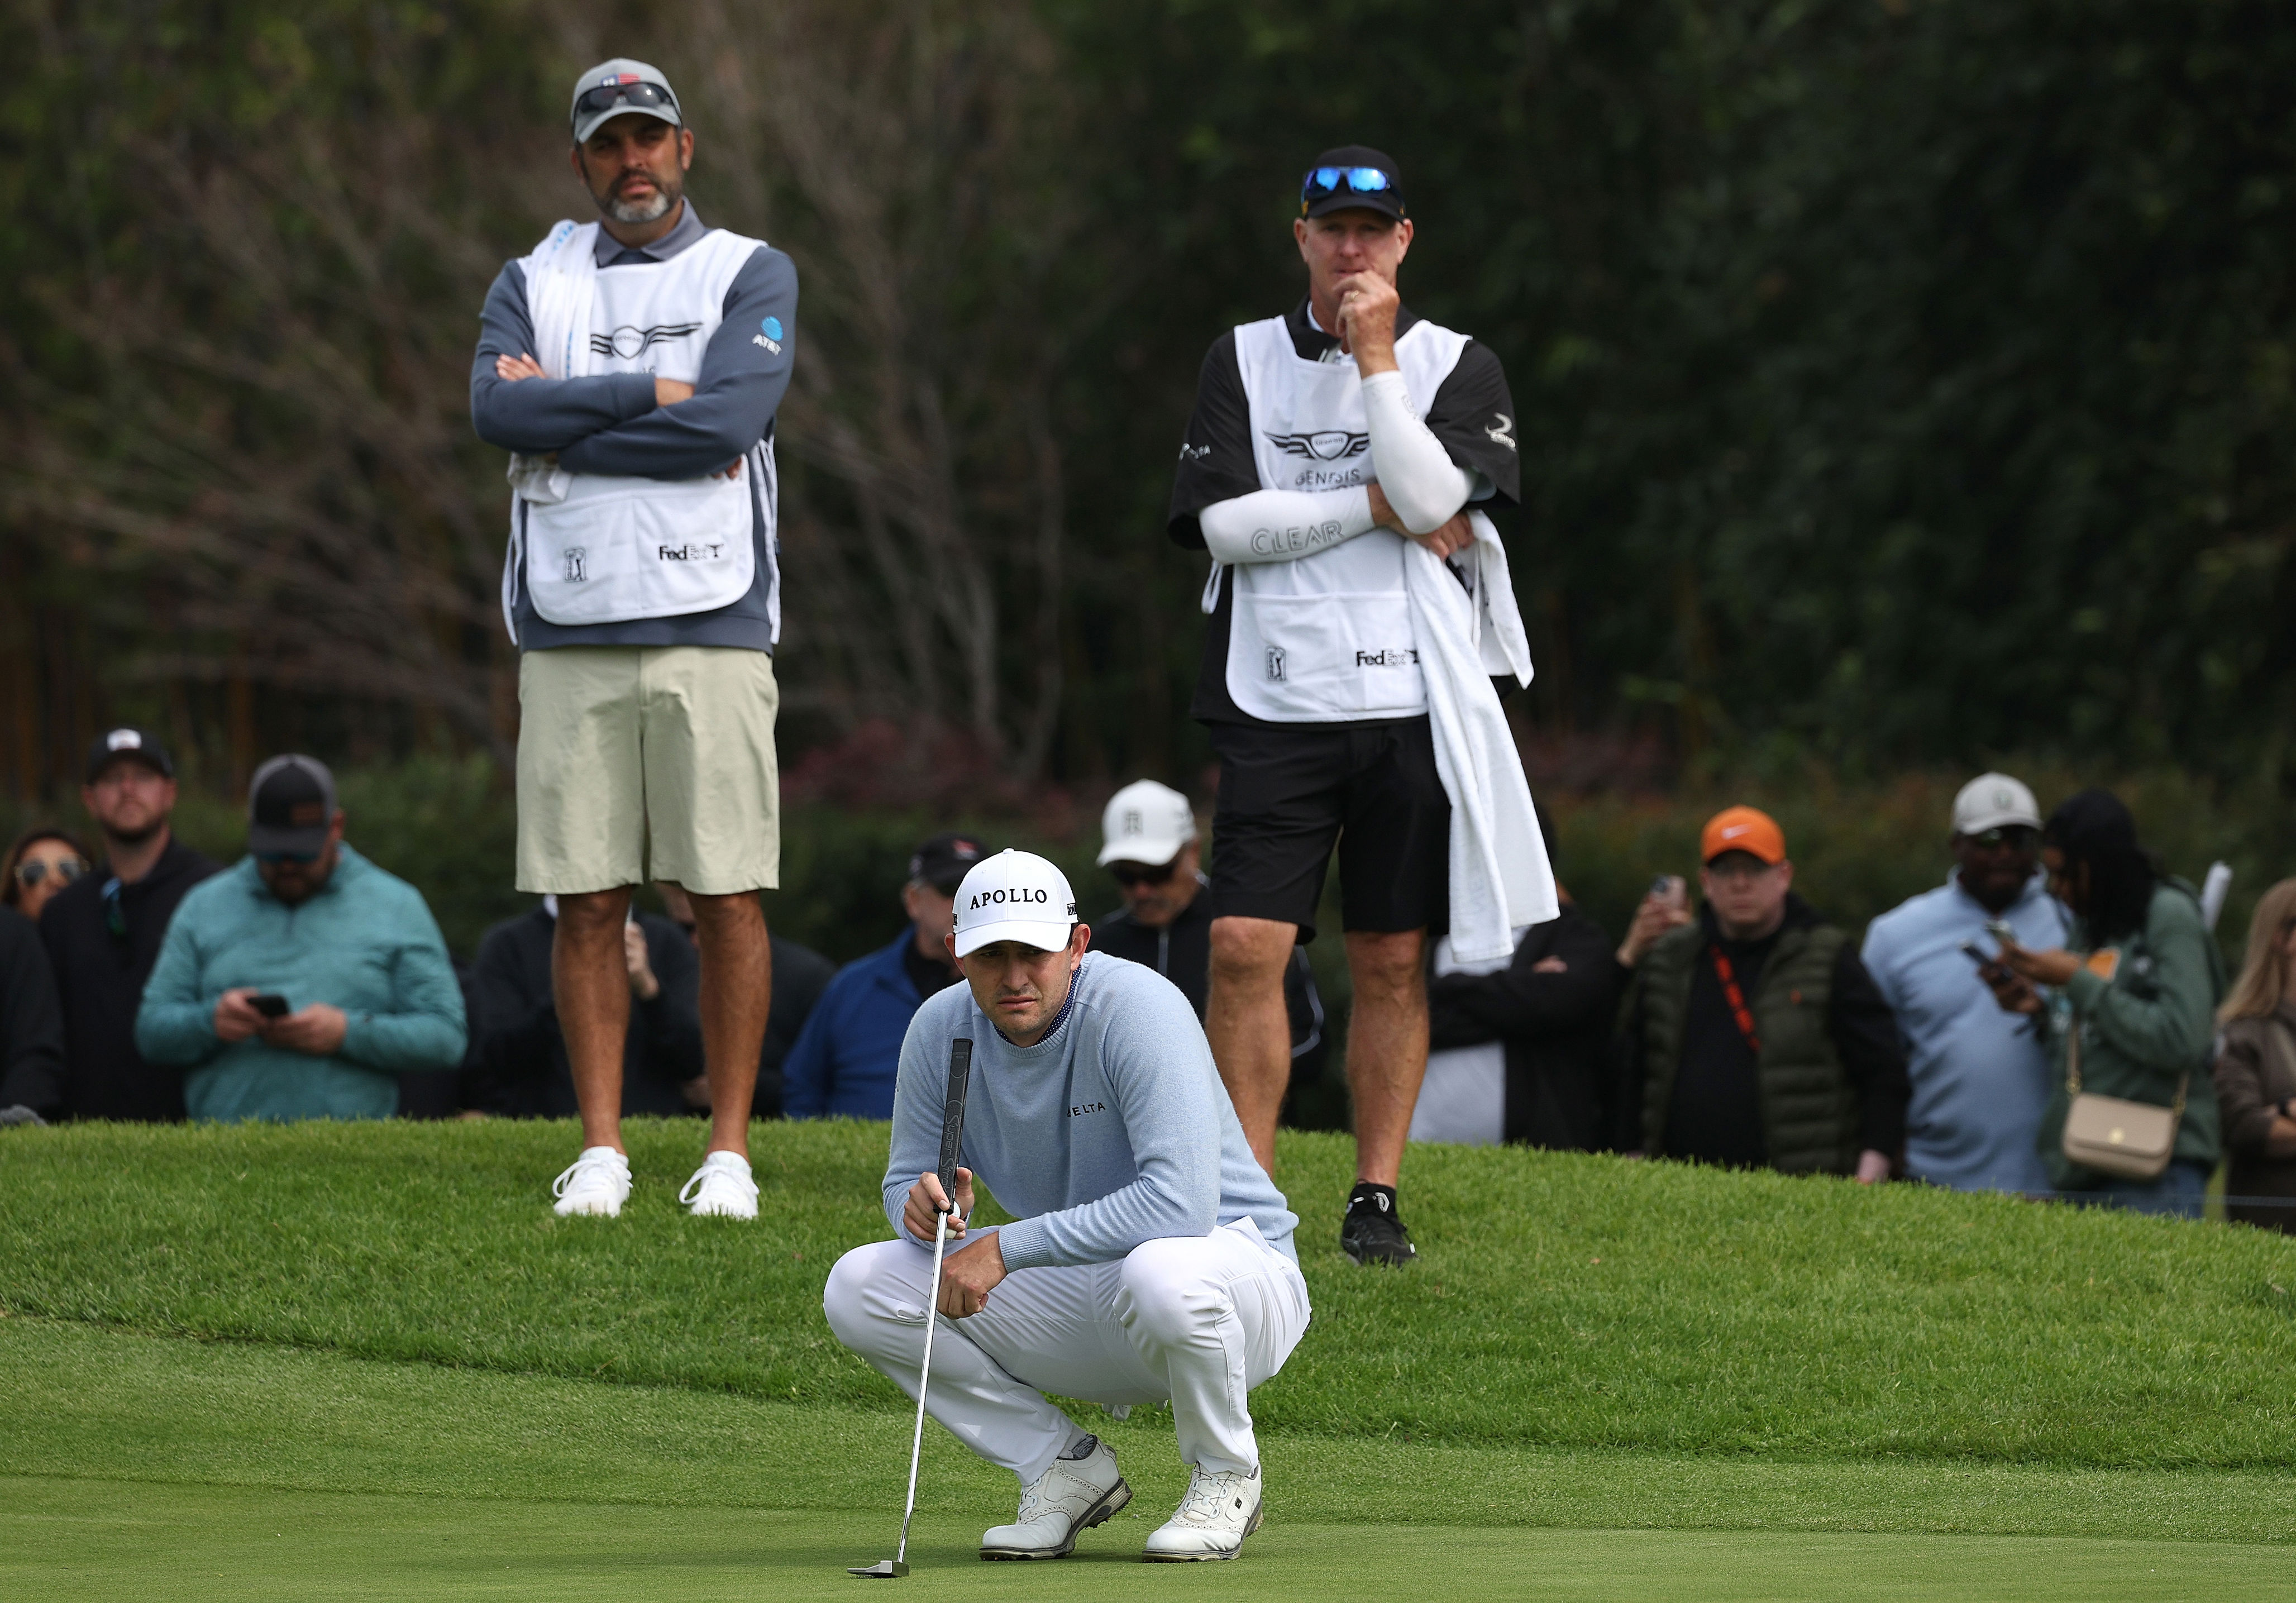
(952, 1138)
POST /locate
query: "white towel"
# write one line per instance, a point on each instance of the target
(562, 284)
(1500, 878)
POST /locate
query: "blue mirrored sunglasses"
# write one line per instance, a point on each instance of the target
(1322, 181)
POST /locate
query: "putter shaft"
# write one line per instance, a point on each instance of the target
(924, 1378)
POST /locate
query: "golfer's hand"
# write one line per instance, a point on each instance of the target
(968, 1276)
(668, 392)
(732, 470)
(643, 984)
(517, 367)
(2051, 967)
(317, 1030)
(926, 1200)
(1873, 1166)
(234, 1020)
(1368, 304)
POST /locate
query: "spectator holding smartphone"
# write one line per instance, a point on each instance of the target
(2256, 1070)
(299, 983)
(2130, 1002)
(1980, 1077)
(1755, 1037)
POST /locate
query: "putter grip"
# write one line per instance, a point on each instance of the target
(951, 1114)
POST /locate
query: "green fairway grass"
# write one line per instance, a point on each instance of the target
(1563, 1299)
(365, 1361)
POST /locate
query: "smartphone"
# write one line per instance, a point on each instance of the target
(2001, 931)
(1670, 888)
(1976, 954)
(269, 1006)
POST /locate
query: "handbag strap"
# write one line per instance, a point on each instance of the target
(2072, 1071)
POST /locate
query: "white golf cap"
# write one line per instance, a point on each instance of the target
(1994, 802)
(1015, 896)
(1146, 823)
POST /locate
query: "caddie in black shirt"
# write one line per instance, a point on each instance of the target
(1323, 443)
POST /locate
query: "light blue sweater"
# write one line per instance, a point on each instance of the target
(366, 943)
(1112, 1131)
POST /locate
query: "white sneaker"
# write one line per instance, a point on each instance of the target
(597, 1182)
(1075, 1494)
(1219, 1511)
(722, 1188)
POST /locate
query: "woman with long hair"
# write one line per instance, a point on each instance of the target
(2133, 1005)
(40, 862)
(2256, 1069)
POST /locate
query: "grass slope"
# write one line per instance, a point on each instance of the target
(1563, 1302)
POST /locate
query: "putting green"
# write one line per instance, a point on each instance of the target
(100, 1541)
(159, 1467)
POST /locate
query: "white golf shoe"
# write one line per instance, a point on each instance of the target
(722, 1188)
(1219, 1511)
(597, 1182)
(1075, 1494)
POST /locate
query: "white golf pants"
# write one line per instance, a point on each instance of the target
(1200, 1320)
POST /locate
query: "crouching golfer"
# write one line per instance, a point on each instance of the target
(1153, 1257)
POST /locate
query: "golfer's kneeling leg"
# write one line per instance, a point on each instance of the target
(1213, 1316)
(875, 1301)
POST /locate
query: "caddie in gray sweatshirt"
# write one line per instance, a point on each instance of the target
(1152, 1258)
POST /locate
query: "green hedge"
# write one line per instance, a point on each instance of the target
(449, 826)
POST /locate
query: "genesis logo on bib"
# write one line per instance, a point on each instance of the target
(628, 343)
(1325, 444)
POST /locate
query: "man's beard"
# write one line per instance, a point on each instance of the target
(665, 196)
(136, 837)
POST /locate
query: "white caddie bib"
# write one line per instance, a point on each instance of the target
(1327, 638)
(604, 549)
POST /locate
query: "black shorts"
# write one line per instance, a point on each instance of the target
(1288, 791)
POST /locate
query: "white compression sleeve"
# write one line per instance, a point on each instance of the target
(1284, 525)
(1416, 474)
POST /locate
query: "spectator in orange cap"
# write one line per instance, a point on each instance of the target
(1755, 1036)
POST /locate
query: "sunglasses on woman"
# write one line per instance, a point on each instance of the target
(36, 871)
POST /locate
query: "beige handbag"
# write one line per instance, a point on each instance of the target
(2133, 1141)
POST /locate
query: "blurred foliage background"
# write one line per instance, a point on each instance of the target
(1904, 386)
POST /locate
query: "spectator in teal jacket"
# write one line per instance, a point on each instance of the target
(351, 951)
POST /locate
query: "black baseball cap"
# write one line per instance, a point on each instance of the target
(943, 861)
(1353, 176)
(136, 745)
(289, 806)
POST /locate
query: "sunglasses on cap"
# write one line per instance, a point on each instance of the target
(639, 96)
(1322, 181)
(32, 873)
(1130, 875)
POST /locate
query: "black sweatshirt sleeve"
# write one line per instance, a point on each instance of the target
(1865, 1035)
(1473, 414)
(674, 1015)
(1627, 1054)
(1518, 1000)
(31, 1020)
(1216, 463)
(517, 1027)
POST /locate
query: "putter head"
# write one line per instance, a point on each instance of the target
(884, 1569)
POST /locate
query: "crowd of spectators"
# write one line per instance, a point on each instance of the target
(2055, 964)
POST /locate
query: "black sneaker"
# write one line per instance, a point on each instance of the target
(1373, 1232)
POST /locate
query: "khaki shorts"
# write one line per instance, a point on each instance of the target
(639, 762)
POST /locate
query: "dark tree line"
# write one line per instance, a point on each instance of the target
(1898, 381)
